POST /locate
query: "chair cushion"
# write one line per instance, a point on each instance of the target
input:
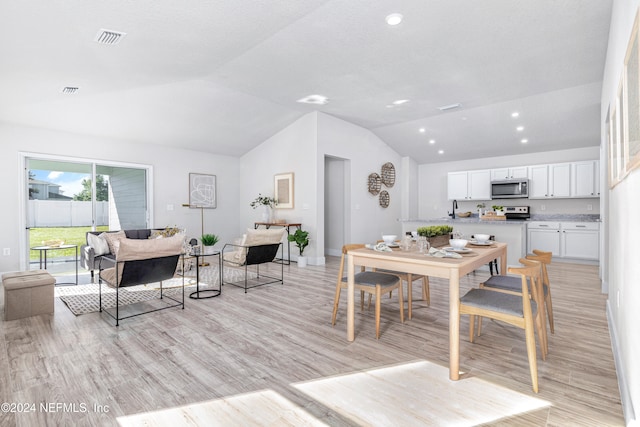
(113, 237)
(509, 283)
(496, 301)
(254, 237)
(372, 278)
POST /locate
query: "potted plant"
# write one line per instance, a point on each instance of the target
(301, 239)
(437, 235)
(498, 209)
(480, 206)
(209, 239)
(266, 203)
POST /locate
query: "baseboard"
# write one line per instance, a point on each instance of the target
(625, 396)
(333, 252)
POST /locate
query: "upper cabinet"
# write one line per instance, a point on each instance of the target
(508, 173)
(557, 180)
(551, 181)
(469, 185)
(585, 179)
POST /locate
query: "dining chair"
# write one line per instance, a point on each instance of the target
(372, 282)
(410, 278)
(517, 309)
(535, 292)
(512, 283)
(494, 262)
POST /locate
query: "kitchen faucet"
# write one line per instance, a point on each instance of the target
(453, 213)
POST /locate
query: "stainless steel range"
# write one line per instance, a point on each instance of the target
(517, 212)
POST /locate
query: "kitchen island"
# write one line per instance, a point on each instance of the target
(511, 232)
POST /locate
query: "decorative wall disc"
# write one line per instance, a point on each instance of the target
(374, 182)
(384, 199)
(388, 174)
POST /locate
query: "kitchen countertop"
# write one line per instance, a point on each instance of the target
(473, 219)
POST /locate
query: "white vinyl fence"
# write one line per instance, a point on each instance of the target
(65, 213)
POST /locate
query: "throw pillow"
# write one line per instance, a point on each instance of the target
(111, 238)
(98, 243)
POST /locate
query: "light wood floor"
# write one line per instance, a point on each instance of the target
(271, 357)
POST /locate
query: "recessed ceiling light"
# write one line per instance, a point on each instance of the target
(520, 128)
(515, 114)
(400, 101)
(389, 106)
(449, 107)
(314, 99)
(422, 130)
(432, 141)
(394, 19)
(70, 89)
(524, 140)
(441, 152)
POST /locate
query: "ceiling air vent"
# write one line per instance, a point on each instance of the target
(109, 37)
(70, 89)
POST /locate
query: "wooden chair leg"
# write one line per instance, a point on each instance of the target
(531, 353)
(472, 324)
(401, 299)
(336, 301)
(409, 296)
(378, 296)
(549, 307)
(426, 293)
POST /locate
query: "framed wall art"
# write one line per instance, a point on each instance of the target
(202, 191)
(283, 190)
(630, 115)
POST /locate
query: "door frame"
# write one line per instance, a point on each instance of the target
(23, 192)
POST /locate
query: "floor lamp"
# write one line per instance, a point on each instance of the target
(203, 263)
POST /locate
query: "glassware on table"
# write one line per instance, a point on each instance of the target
(423, 244)
(406, 242)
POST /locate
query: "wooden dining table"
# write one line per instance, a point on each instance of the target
(418, 263)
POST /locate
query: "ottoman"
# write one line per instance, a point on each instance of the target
(27, 293)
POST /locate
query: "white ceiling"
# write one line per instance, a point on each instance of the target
(222, 76)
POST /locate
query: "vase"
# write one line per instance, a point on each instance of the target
(266, 213)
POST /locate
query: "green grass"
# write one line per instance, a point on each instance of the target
(70, 236)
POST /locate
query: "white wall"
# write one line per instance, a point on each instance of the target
(622, 229)
(301, 148)
(171, 169)
(432, 187)
(367, 221)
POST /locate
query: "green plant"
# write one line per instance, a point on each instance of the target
(480, 206)
(497, 207)
(300, 238)
(263, 201)
(209, 239)
(435, 230)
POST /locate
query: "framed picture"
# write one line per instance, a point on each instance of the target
(202, 191)
(631, 103)
(283, 190)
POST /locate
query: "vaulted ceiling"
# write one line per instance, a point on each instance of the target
(222, 76)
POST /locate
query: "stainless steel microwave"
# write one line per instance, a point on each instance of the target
(510, 189)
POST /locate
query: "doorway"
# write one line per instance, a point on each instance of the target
(66, 198)
(337, 214)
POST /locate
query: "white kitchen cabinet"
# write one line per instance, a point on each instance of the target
(585, 179)
(544, 236)
(580, 240)
(508, 173)
(550, 181)
(469, 185)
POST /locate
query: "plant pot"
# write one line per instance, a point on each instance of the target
(499, 213)
(302, 261)
(438, 241)
(266, 213)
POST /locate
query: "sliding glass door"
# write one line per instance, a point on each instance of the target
(67, 198)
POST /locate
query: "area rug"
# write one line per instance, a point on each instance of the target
(83, 299)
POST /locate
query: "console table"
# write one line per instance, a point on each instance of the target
(45, 249)
(288, 227)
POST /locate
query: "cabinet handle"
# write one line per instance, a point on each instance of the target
(581, 226)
